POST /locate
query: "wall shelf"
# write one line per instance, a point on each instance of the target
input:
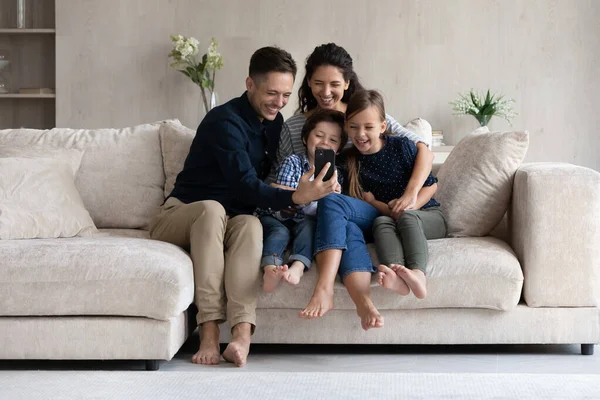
(32, 54)
(26, 96)
(25, 31)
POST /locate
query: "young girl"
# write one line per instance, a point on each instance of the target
(379, 169)
(378, 172)
(323, 129)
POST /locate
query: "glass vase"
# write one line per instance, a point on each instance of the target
(212, 100)
(3, 74)
(21, 14)
(483, 119)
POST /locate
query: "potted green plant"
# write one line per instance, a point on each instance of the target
(483, 108)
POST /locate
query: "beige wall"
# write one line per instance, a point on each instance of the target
(112, 66)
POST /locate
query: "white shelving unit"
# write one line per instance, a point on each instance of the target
(32, 55)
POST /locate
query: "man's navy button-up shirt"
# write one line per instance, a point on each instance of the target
(230, 156)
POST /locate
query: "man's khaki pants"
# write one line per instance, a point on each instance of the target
(225, 252)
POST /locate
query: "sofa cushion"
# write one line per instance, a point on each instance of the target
(130, 233)
(94, 276)
(475, 181)
(422, 128)
(175, 143)
(38, 199)
(121, 177)
(462, 273)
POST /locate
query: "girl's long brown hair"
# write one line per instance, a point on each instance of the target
(360, 101)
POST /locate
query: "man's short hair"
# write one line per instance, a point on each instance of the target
(271, 59)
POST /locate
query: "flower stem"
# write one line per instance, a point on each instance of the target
(204, 100)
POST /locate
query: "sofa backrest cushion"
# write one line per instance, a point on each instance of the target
(121, 178)
(175, 143)
(475, 181)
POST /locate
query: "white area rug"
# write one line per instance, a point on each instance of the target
(287, 385)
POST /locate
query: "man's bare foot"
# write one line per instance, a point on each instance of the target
(390, 280)
(272, 277)
(369, 316)
(320, 302)
(209, 352)
(237, 351)
(294, 273)
(415, 279)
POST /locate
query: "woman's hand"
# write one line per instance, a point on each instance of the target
(368, 197)
(405, 202)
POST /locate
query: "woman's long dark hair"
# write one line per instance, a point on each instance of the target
(323, 55)
(360, 101)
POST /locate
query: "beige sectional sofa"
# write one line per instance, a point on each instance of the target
(115, 294)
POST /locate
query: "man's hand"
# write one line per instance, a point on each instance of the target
(338, 188)
(278, 186)
(316, 189)
(406, 202)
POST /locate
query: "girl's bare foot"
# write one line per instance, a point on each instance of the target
(239, 347)
(209, 352)
(415, 279)
(294, 273)
(272, 277)
(390, 280)
(369, 316)
(320, 302)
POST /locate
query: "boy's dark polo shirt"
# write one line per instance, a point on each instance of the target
(230, 156)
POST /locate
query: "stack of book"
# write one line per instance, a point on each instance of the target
(437, 138)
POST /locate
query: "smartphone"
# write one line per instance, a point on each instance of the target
(322, 157)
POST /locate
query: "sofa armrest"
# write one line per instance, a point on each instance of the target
(555, 229)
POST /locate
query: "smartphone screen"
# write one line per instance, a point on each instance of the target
(322, 157)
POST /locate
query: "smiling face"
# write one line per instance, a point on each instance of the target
(325, 135)
(328, 85)
(269, 93)
(364, 130)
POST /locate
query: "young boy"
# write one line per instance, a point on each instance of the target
(323, 129)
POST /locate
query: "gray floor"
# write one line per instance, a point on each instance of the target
(560, 359)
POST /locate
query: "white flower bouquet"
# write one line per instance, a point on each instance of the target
(202, 72)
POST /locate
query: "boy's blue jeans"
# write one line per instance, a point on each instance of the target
(277, 235)
(342, 222)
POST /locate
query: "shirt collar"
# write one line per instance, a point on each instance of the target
(305, 163)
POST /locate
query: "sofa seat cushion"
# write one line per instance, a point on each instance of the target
(462, 272)
(130, 233)
(94, 276)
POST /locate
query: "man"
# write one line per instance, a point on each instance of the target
(210, 209)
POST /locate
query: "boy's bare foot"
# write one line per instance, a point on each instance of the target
(369, 316)
(320, 302)
(209, 352)
(415, 279)
(390, 280)
(239, 347)
(294, 273)
(272, 277)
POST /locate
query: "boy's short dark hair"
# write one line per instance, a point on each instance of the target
(271, 59)
(325, 115)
